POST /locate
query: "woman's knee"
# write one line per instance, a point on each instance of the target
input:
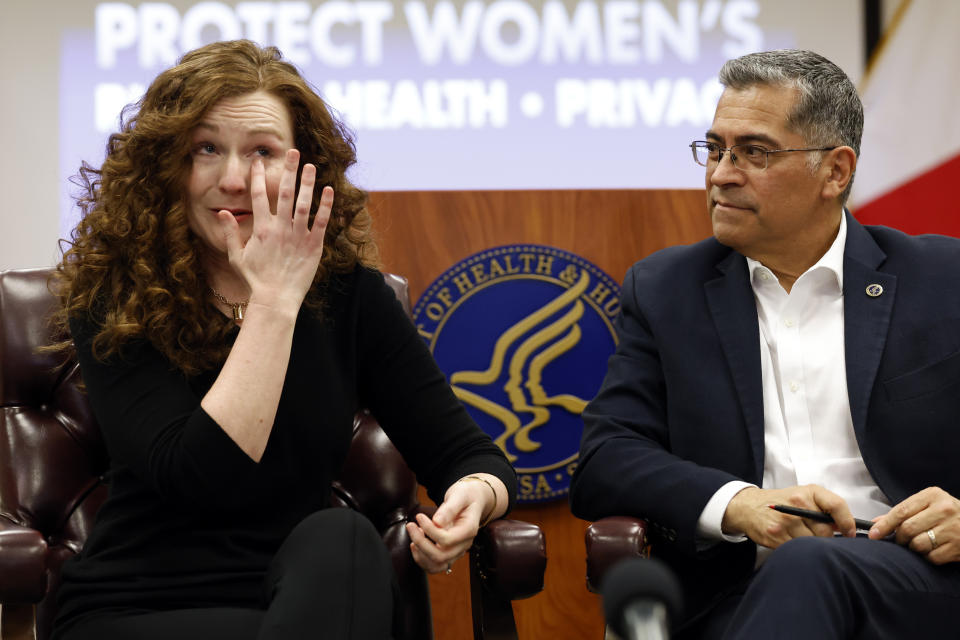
(328, 546)
(337, 525)
(332, 572)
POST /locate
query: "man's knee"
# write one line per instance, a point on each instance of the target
(804, 586)
(807, 559)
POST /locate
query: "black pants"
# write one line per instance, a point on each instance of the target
(840, 589)
(332, 578)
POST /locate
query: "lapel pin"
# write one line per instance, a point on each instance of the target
(874, 290)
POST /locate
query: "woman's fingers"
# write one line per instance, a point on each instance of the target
(281, 257)
(422, 561)
(428, 565)
(462, 527)
(301, 212)
(457, 500)
(322, 218)
(429, 554)
(292, 204)
(231, 233)
(288, 184)
(426, 553)
(258, 195)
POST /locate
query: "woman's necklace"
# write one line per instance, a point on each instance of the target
(237, 307)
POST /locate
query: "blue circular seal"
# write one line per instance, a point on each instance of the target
(523, 334)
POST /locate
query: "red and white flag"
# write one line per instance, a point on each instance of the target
(908, 176)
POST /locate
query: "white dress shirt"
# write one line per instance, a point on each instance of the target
(808, 430)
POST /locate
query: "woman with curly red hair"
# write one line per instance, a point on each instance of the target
(229, 322)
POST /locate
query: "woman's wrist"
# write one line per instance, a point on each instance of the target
(273, 311)
(488, 516)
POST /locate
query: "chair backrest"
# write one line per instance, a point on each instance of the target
(389, 499)
(52, 461)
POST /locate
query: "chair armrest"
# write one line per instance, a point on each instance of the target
(507, 562)
(23, 563)
(510, 558)
(610, 540)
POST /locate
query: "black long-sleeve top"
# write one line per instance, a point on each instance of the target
(191, 520)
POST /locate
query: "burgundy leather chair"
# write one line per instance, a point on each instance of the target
(610, 540)
(52, 461)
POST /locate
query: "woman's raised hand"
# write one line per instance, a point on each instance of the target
(281, 257)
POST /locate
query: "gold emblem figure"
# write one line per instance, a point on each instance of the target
(537, 346)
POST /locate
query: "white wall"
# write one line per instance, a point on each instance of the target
(29, 213)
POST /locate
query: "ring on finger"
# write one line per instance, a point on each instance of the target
(933, 539)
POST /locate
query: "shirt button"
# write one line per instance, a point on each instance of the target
(788, 322)
(794, 386)
(764, 275)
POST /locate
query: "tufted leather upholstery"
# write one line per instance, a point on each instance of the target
(52, 459)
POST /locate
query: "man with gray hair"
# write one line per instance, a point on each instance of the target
(795, 359)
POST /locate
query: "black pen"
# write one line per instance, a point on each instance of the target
(819, 516)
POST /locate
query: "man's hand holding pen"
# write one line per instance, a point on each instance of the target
(927, 522)
(749, 513)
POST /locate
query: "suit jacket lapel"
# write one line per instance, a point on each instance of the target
(734, 310)
(866, 317)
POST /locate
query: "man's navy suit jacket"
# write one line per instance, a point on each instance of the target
(680, 412)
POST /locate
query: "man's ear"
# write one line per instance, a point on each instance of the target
(838, 167)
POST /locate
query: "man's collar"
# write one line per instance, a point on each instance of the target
(832, 260)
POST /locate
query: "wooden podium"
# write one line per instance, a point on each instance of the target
(422, 234)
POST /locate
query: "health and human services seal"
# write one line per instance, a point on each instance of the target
(523, 333)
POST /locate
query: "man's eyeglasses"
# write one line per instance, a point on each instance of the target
(746, 157)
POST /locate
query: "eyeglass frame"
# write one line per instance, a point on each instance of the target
(733, 155)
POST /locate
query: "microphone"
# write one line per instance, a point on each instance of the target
(640, 597)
